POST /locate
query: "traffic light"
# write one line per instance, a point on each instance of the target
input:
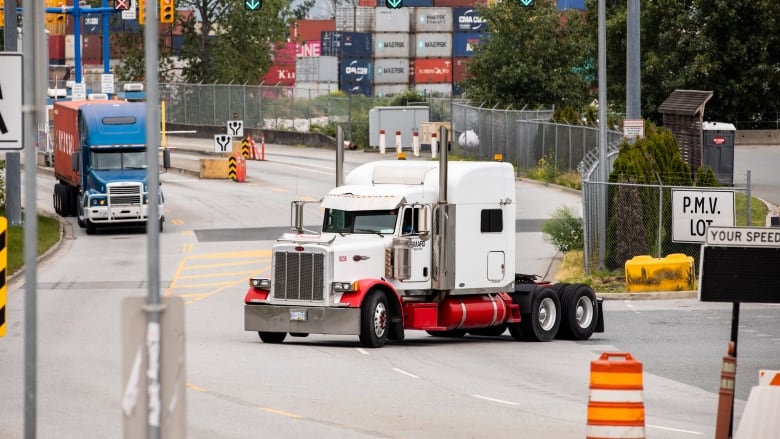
(166, 11)
(141, 11)
(253, 5)
(394, 4)
(121, 5)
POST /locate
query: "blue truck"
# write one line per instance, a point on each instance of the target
(100, 163)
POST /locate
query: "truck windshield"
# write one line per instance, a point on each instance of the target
(371, 221)
(112, 160)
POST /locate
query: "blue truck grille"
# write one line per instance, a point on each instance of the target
(299, 276)
(125, 194)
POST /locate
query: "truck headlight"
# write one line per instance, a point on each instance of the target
(262, 283)
(97, 201)
(343, 287)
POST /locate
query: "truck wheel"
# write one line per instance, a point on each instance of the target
(451, 333)
(374, 320)
(490, 331)
(91, 228)
(542, 323)
(580, 313)
(161, 226)
(272, 337)
(57, 198)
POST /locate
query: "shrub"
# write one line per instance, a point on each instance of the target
(564, 230)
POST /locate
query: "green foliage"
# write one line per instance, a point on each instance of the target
(629, 225)
(230, 44)
(545, 170)
(729, 47)
(531, 59)
(48, 236)
(568, 115)
(327, 129)
(652, 160)
(2, 184)
(564, 230)
(705, 177)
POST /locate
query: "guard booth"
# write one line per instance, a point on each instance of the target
(683, 113)
(719, 150)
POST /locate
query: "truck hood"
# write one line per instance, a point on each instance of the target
(98, 179)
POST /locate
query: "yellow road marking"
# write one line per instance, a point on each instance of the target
(227, 264)
(177, 221)
(213, 275)
(234, 255)
(281, 412)
(195, 388)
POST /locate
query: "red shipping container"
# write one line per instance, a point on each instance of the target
(432, 70)
(459, 68)
(369, 3)
(92, 49)
(310, 30)
(57, 47)
(458, 3)
(309, 48)
(284, 53)
(280, 74)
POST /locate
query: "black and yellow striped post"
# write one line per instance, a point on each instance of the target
(232, 174)
(245, 148)
(3, 272)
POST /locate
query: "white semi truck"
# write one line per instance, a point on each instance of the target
(413, 245)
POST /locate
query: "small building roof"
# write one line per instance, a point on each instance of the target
(685, 102)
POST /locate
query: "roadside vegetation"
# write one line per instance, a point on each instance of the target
(48, 236)
(630, 229)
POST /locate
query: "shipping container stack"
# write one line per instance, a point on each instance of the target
(393, 50)
(432, 62)
(282, 71)
(469, 28)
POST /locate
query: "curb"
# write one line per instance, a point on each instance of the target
(654, 295)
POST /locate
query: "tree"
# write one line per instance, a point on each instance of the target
(229, 43)
(729, 47)
(530, 57)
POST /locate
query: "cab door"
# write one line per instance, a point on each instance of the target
(414, 225)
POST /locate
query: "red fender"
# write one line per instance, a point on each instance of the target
(355, 299)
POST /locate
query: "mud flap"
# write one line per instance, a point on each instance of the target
(600, 320)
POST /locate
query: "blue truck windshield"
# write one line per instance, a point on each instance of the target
(371, 221)
(113, 160)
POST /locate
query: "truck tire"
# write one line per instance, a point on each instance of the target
(580, 312)
(374, 320)
(57, 198)
(91, 227)
(543, 320)
(450, 333)
(272, 337)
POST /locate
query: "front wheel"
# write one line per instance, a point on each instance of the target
(272, 337)
(374, 320)
(543, 320)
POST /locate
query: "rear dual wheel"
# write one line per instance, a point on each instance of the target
(543, 320)
(578, 302)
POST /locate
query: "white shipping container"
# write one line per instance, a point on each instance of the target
(433, 20)
(317, 69)
(381, 90)
(355, 19)
(391, 71)
(70, 48)
(444, 89)
(392, 20)
(307, 90)
(433, 45)
(392, 45)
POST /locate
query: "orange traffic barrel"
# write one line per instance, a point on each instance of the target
(615, 407)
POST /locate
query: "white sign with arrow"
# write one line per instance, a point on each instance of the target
(11, 85)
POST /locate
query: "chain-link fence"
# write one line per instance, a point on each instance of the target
(636, 220)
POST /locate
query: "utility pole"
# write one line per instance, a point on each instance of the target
(633, 62)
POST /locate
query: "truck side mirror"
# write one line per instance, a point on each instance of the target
(166, 159)
(423, 231)
(74, 161)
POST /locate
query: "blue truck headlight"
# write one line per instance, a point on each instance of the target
(97, 201)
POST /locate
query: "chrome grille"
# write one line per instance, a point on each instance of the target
(125, 194)
(299, 276)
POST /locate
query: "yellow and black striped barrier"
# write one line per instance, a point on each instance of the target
(232, 174)
(245, 148)
(3, 272)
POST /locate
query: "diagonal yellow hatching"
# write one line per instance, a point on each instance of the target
(201, 290)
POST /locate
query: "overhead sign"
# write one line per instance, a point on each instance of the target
(11, 85)
(694, 210)
(253, 5)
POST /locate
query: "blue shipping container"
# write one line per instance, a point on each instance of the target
(365, 89)
(93, 24)
(468, 20)
(346, 44)
(356, 71)
(571, 4)
(463, 43)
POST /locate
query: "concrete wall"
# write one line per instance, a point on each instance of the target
(280, 137)
(757, 137)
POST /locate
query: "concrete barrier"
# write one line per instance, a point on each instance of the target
(214, 168)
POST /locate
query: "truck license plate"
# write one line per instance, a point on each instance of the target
(298, 315)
